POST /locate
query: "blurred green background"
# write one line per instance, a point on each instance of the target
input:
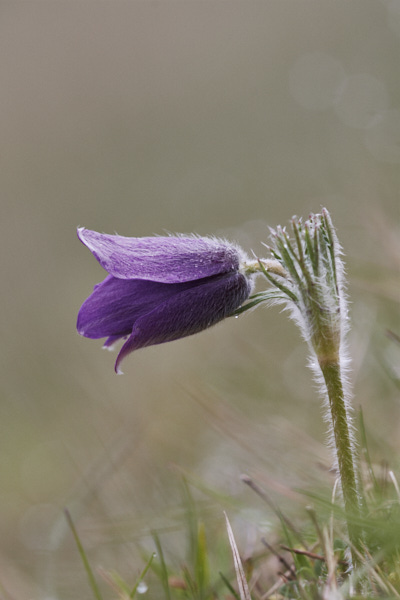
(214, 117)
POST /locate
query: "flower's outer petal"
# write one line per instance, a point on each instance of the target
(173, 259)
(115, 304)
(187, 313)
(111, 340)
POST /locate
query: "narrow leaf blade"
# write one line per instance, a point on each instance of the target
(241, 579)
(88, 569)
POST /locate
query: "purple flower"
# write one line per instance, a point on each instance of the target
(160, 289)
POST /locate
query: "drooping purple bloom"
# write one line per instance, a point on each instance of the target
(160, 289)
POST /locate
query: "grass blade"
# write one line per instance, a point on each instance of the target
(88, 569)
(142, 575)
(201, 565)
(164, 570)
(228, 585)
(244, 591)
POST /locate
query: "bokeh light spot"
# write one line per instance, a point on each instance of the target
(383, 138)
(362, 99)
(393, 15)
(315, 80)
(34, 526)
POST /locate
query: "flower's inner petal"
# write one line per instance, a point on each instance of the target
(115, 304)
(188, 312)
(173, 259)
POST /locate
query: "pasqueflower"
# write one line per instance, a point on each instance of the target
(160, 289)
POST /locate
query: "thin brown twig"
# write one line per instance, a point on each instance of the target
(256, 488)
(393, 336)
(281, 559)
(275, 587)
(312, 555)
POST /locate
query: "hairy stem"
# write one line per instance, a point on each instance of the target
(308, 271)
(344, 451)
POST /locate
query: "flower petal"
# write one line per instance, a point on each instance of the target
(110, 341)
(171, 259)
(115, 304)
(188, 312)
